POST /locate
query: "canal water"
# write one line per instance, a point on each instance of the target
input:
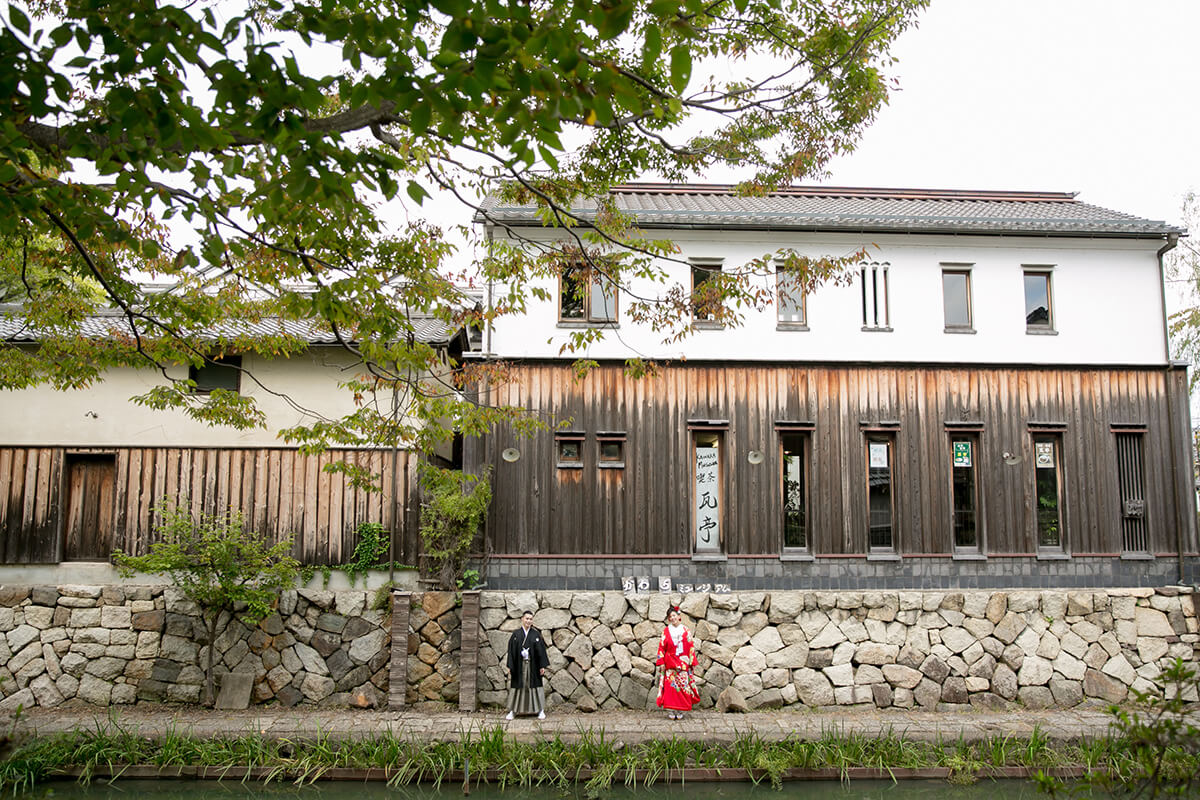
(351, 790)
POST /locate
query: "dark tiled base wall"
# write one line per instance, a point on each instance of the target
(746, 574)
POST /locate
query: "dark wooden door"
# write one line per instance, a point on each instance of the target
(91, 488)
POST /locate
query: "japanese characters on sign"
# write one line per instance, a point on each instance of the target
(708, 532)
(962, 454)
(878, 455)
(1044, 452)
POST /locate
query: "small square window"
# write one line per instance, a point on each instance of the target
(220, 372)
(570, 451)
(611, 449)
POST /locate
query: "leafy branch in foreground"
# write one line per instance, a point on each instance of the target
(1159, 734)
(269, 163)
(453, 510)
(219, 565)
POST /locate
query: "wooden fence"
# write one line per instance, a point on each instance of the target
(63, 504)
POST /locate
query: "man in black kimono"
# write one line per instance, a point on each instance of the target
(527, 662)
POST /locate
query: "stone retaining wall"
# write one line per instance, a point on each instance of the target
(1038, 649)
(112, 645)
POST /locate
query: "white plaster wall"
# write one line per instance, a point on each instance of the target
(42, 416)
(1107, 305)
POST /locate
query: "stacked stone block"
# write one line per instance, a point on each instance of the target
(1037, 649)
(435, 635)
(115, 645)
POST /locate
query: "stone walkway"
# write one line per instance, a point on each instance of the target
(627, 726)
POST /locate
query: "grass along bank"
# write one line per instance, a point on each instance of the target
(597, 762)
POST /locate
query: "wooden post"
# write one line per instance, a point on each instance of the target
(468, 653)
(398, 670)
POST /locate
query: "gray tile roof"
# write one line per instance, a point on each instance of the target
(823, 208)
(14, 328)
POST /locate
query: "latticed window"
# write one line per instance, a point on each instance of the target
(1130, 477)
(873, 279)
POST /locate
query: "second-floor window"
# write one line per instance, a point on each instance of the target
(1039, 313)
(791, 300)
(705, 306)
(584, 297)
(874, 283)
(956, 298)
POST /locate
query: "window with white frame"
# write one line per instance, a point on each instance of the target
(791, 311)
(1039, 308)
(956, 297)
(704, 303)
(873, 280)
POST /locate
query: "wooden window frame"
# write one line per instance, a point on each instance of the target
(232, 363)
(588, 318)
(970, 434)
(568, 437)
(1053, 433)
(965, 271)
(1046, 273)
(804, 434)
(888, 436)
(610, 437)
(1125, 511)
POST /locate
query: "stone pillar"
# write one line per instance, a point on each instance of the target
(468, 653)
(398, 671)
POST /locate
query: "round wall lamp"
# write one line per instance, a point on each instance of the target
(755, 457)
(510, 454)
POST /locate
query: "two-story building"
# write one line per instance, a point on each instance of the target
(989, 401)
(82, 470)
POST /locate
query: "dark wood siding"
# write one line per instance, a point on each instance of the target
(645, 508)
(279, 491)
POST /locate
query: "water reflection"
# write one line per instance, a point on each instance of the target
(351, 790)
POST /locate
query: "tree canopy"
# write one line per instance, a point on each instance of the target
(268, 160)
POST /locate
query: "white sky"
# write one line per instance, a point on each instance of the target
(1093, 96)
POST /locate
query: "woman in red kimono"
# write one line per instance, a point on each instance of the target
(677, 657)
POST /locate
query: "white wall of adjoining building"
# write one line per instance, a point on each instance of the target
(105, 415)
(1106, 296)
